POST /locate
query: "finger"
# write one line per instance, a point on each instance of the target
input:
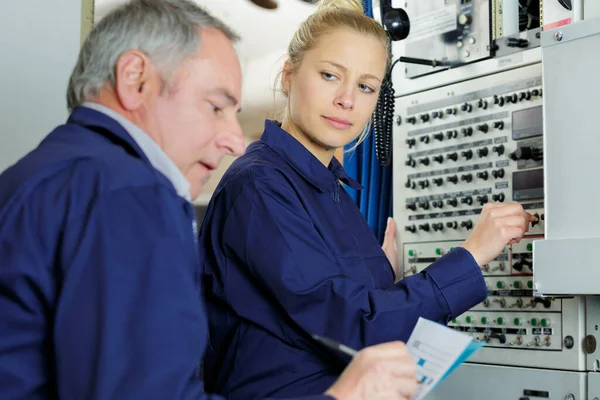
(407, 387)
(513, 221)
(388, 350)
(502, 210)
(392, 227)
(532, 218)
(512, 234)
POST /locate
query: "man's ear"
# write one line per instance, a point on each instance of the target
(286, 77)
(135, 79)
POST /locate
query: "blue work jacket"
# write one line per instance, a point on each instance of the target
(288, 254)
(99, 272)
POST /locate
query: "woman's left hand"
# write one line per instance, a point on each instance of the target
(389, 245)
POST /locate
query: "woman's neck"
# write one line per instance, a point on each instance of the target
(324, 155)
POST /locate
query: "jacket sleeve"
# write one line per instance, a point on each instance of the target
(130, 322)
(269, 231)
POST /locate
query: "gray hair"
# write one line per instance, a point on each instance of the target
(165, 30)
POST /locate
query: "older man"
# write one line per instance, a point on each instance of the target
(99, 265)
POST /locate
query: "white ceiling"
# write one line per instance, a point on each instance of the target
(264, 34)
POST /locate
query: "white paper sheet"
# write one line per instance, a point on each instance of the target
(437, 350)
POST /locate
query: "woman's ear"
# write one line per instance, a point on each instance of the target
(286, 77)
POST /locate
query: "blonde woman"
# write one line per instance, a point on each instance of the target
(288, 253)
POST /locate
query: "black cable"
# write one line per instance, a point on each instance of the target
(383, 119)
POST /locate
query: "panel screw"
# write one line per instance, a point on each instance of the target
(558, 36)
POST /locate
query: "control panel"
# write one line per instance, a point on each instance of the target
(457, 148)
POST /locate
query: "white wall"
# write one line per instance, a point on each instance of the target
(39, 43)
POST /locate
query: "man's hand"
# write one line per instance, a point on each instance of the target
(497, 226)
(389, 245)
(385, 371)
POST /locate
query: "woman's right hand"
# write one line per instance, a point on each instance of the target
(498, 225)
(382, 372)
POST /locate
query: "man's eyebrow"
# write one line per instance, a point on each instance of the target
(230, 98)
(340, 66)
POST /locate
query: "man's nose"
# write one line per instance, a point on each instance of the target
(232, 141)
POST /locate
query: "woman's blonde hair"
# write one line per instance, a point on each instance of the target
(332, 15)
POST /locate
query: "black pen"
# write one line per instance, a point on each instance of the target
(337, 346)
(340, 348)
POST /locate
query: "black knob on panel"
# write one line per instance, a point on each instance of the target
(411, 206)
(424, 184)
(518, 266)
(467, 224)
(439, 159)
(468, 154)
(466, 178)
(411, 142)
(499, 100)
(437, 204)
(511, 98)
(466, 107)
(483, 175)
(411, 162)
(453, 179)
(424, 205)
(522, 96)
(424, 139)
(437, 114)
(438, 181)
(410, 184)
(468, 200)
(498, 173)
(536, 92)
(424, 117)
(482, 200)
(424, 161)
(424, 227)
(452, 134)
(439, 136)
(499, 125)
(527, 153)
(498, 197)
(452, 156)
(467, 131)
(483, 128)
(410, 228)
(451, 111)
(498, 149)
(452, 202)
(482, 152)
(438, 227)
(452, 225)
(482, 104)
(411, 120)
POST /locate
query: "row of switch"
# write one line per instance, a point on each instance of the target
(468, 200)
(466, 154)
(481, 104)
(516, 321)
(453, 134)
(439, 226)
(468, 178)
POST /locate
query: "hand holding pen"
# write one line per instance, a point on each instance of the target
(385, 371)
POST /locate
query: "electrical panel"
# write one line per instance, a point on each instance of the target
(476, 132)
(458, 148)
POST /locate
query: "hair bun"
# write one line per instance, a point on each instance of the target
(352, 5)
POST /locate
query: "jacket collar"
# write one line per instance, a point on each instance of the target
(133, 139)
(303, 161)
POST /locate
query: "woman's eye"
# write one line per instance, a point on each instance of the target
(327, 76)
(366, 89)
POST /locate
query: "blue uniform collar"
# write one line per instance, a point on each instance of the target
(113, 127)
(303, 161)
